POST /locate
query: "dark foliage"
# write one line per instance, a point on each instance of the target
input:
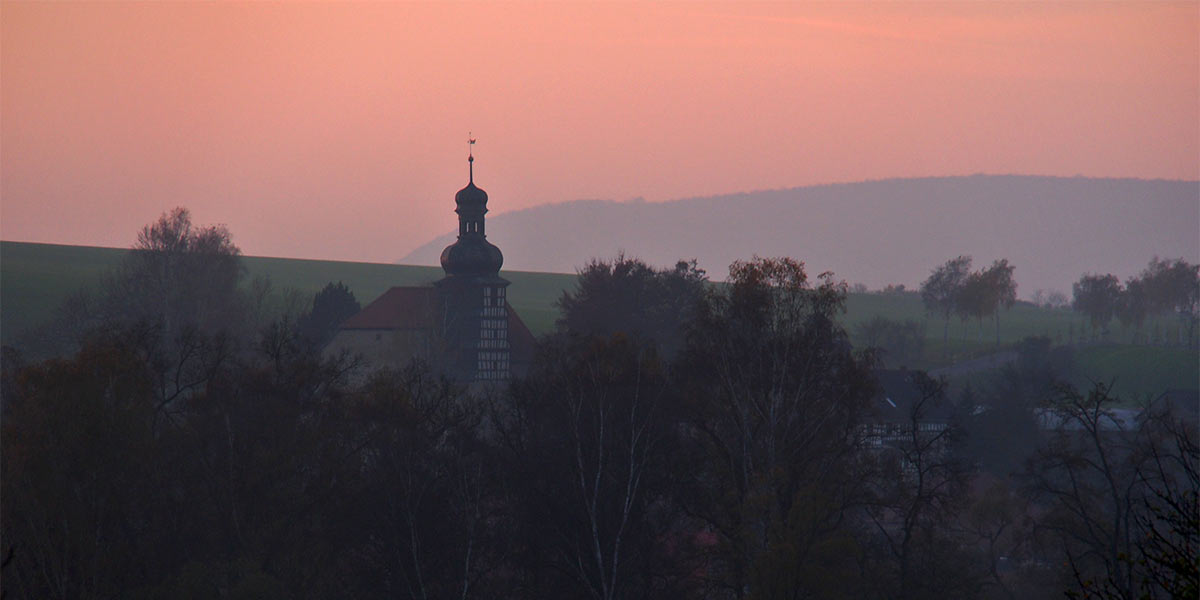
(1096, 296)
(1119, 498)
(1000, 419)
(628, 296)
(775, 395)
(330, 306)
(586, 441)
(918, 550)
(898, 342)
(700, 442)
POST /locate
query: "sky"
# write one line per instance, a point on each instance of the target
(339, 130)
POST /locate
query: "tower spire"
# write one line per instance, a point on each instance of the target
(471, 157)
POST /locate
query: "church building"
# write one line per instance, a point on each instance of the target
(462, 325)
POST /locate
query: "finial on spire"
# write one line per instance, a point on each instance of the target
(471, 156)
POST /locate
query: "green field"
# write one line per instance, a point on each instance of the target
(1135, 372)
(36, 278)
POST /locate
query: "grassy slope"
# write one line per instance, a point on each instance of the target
(966, 338)
(35, 278)
(1136, 371)
(532, 294)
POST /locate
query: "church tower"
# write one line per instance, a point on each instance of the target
(475, 315)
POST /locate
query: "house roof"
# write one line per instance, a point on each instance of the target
(397, 308)
(897, 395)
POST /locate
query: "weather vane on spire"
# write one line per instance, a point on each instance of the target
(471, 155)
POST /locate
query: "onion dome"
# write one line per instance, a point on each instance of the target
(472, 256)
(470, 198)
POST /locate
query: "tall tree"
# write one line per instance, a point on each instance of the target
(1096, 296)
(1002, 290)
(330, 306)
(985, 292)
(1173, 286)
(941, 290)
(974, 300)
(627, 295)
(920, 491)
(774, 397)
(77, 445)
(898, 341)
(178, 276)
(583, 439)
(1170, 549)
(1133, 305)
(1119, 497)
(429, 508)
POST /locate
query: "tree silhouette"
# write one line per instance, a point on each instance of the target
(1096, 296)
(330, 306)
(941, 290)
(627, 295)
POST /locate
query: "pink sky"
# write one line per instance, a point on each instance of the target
(339, 130)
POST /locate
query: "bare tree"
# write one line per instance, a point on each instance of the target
(917, 499)
(1170, 548)
(777, 395)
(1119, 498)
(582, 439)
(941, 290)
(429, 501)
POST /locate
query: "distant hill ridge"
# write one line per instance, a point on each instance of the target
(875, 232)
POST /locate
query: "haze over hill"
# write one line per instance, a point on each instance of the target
(875, 232)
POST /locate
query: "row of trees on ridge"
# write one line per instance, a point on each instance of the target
(1164, 287)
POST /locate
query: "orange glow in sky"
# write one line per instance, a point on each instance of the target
(338, 131)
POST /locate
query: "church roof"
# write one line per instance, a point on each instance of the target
(520, 339)
(416, 308)
(397, 308)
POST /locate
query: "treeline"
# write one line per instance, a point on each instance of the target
(672, 439)
(1164, 287)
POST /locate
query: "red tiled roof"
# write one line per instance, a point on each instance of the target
(397, 308)
(415, 308)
